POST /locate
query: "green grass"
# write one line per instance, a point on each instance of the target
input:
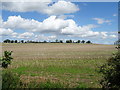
(78, 72)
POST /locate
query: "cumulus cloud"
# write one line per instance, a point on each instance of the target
(61, 7)
(54, 25)
(25, 35)
(58, 8)
(101, 20)
(43, 37)
(113, 36)
(11, 33)
(16, 22)
(5, 32)
(104, 34)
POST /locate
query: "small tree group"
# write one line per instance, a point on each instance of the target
(56, 41)
(13, 41)
(83, 41)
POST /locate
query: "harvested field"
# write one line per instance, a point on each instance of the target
(74, 65)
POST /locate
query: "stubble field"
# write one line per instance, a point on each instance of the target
(73, 65)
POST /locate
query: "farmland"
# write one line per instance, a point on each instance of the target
(72, 64)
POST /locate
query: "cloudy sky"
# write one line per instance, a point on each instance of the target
(47, 20)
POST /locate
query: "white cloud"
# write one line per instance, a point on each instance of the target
(43, 37)
(16, 22)
(25, 35)
(61, 7)
(11, 33)
(113, 36)
(5, 32)
(104, 35)
(54, 25)
(101, 20)
(58, 8)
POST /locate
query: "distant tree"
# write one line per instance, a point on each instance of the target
(117, 42)
(30, 41)
(27, 41)
(7, 41)
(12, 41)
(88, 42)
(70, 41)
(16, 41)
(61, 41)
(44, 41)
(83, 41)
(78, 41)
(67, 41)
(22, 41)
(56, 40)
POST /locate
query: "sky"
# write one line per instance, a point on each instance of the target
(62, 20)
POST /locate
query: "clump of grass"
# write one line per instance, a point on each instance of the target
(81, 85)
(10, 80)
(47, 84)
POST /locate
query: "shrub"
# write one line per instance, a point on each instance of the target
(111, 72)
(6, 59)
(10, 80)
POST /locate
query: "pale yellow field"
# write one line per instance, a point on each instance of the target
(56, 50)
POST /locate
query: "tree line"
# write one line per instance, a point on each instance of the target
(56, 41)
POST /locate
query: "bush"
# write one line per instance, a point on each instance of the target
(111, 72)
(10, 80)
(6, 59)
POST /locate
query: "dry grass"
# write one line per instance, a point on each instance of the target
(43, 51)
(73, 64)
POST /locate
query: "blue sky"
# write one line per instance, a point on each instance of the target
(95, 21)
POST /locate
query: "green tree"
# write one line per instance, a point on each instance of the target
(68, 41)
(22, 41)
(111, 72)
(56, 40)
(88, 42)
(78, 41)
(16, 41)
(12, 41)
(61, 41)
(6, 59)
(83, 41)
(7, 41)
